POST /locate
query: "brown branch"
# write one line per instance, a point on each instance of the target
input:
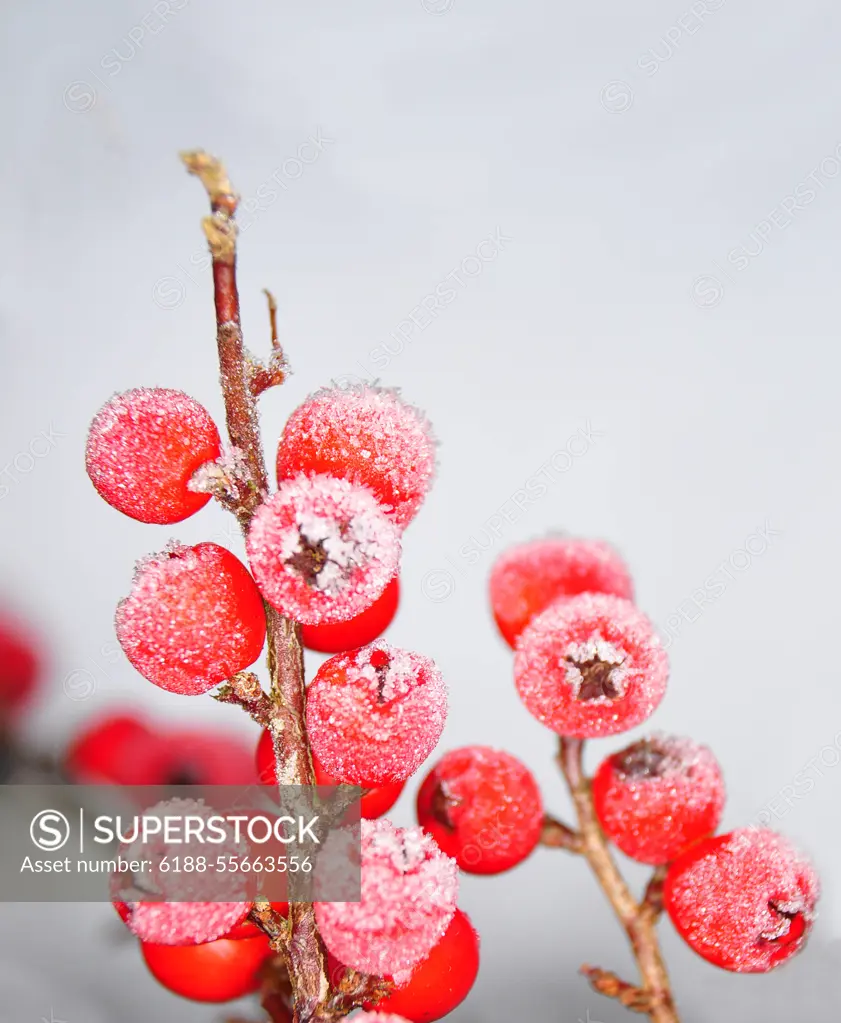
(638, 921)
(285, 714)
(557, 835)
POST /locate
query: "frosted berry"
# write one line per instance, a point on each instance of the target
(443, 980)
(367, 435)
(322, 550)
(374, 715)
(19, 664)
(378, 800)
(744, 901)
(358, 631)
(591, 666)
(217, 971)
(183, 923)
(194, 617)
(658, 796)
(483, 808)
(409, 891)
(526, 579)
(143, 448)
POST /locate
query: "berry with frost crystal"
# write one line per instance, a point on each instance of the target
(194, 618)
(216, 971)
(409, 891)
(358, 631)
(658, 796)
(482, 807)
(591, 666)
(744, 901)
(379, 1017)
(527, 578)
(143, 448)
(322, 550)
(378, 800)
(443, 980)
(374, 715)
(367, 435)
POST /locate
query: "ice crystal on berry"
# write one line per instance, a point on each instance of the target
(590, 665)
(144, 447)
(367, 435)
(322, 549)
(194, 617)
(527, 578)
(658, 796)
(744, 901)
(409, 890)
(374, 715)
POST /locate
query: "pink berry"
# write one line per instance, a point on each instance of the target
(526, 579)
(194, 617)
(483, 807)
(143, 448)
(367, 435)
(409, 891)
(591, 666)
(176, 910)
(322, 550)
(744, 901)
(375, 714)
(658, 796)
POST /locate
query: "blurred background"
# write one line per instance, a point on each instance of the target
(635, 213)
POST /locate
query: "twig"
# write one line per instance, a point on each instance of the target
(557, 835)
(654, 997)
(285, 713)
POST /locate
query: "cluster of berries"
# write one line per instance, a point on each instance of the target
(589, 664)
(353, 466)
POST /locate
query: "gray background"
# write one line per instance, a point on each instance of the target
(629, 154)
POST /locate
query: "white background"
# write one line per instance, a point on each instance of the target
(632, 156)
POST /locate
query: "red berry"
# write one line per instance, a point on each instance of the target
(117, 749)
(183, 923)
(744, 901)
(483, 808)
(374, 715)
(377, 801)
(378, 1017)
(194, 618)
(19, 664)
(358, 631)
(591, 666)
(526, 579)
(217, 971)
(208, 758)
(322, 550)
(367, 435)
(443, 980)
(658, 796)
(409, 891)
(143, 448)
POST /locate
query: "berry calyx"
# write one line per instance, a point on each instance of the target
(408, 898)
(377, 800)
(193, 619)
(358, 631)
(658, 796)
(367, 435)
(143, 448)
(591, 666)
(527, 578)
(483, 808)
(322, 550)
(443, 980)
(744, 901)
(216, 971)
(374, 715)
(19, 665)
